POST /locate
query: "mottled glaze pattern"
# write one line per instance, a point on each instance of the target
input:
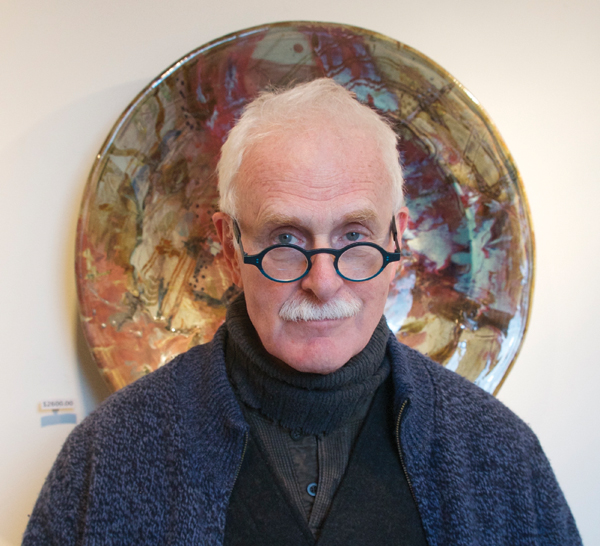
(150, 277)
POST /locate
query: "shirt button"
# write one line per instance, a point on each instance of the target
(296, 435)
(312, 489)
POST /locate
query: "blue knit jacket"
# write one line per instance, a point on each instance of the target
(156, 463)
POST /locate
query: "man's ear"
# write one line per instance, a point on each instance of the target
(401, 221)
(222, 223)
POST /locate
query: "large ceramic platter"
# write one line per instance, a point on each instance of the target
(150, 276)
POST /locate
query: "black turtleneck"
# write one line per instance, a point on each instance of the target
(305, 423)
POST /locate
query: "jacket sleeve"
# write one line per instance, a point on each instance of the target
(59, 514)
(555, 522)
(479, 472)
(153, 465)
(110, 482)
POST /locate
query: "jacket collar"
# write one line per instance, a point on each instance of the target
(412, 383)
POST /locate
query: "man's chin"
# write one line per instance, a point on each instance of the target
(317, 353)
(316, 367)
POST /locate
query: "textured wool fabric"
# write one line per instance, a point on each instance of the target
(157, 462)
(306, 402)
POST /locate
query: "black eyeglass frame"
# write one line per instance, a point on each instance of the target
(256, 259)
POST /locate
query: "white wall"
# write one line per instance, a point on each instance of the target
(68, 69)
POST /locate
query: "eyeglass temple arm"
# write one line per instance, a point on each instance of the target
(394, 231)
(238, 235)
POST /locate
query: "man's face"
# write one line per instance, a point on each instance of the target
(315, 189)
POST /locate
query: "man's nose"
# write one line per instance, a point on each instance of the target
(322, 279)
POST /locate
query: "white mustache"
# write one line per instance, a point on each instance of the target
(303, 308)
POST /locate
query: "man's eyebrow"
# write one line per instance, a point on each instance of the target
(280, 219)
(358, 216)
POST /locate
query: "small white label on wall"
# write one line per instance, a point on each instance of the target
(58, 411)
(57, 404)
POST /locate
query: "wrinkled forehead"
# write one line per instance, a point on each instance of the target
(311, 171)
(311, 142)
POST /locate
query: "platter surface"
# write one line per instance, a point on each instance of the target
(150, 278)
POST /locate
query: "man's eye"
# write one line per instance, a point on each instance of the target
(286, 239)
(353, 236)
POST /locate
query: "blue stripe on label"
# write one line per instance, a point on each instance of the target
(59, 419)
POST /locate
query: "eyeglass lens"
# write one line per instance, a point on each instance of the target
(356, 263)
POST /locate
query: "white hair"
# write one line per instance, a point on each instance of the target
(318, 100)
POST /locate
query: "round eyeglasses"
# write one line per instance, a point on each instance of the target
(356, 262)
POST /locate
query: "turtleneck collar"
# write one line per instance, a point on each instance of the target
(307, 402)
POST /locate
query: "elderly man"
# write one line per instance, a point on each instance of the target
(304, 421)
